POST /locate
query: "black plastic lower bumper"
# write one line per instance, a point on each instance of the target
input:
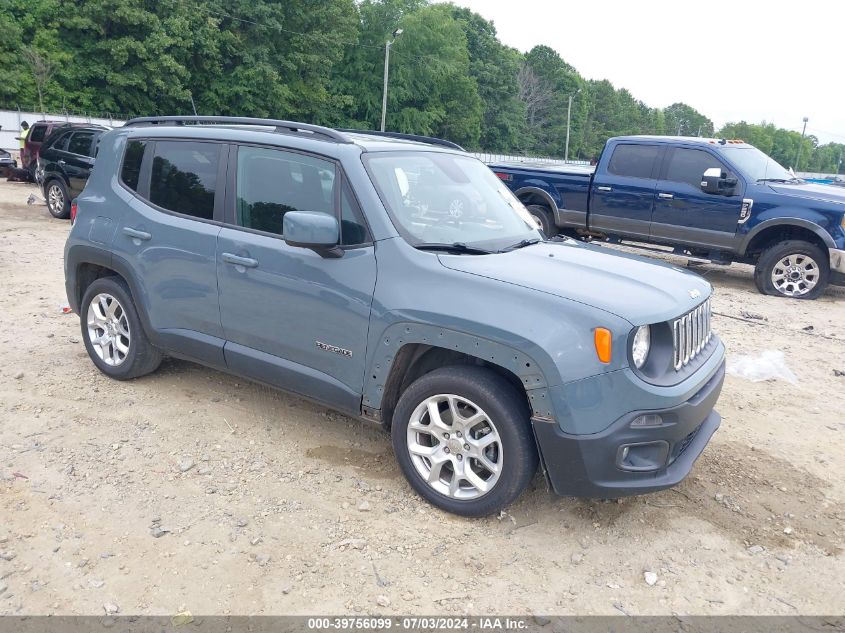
(624, 460)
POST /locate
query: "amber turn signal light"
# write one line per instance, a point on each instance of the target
(603, 339)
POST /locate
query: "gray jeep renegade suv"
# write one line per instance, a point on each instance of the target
(395, 278)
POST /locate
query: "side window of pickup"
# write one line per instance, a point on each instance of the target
(688, 165)
(634, 161)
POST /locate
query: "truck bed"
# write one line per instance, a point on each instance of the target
(563, 189)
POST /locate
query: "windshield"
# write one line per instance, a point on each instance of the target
(755, 165)
(440, 198)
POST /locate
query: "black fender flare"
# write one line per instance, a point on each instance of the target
(775, 222)
(80, 254)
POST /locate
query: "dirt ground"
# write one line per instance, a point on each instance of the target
(267, 504)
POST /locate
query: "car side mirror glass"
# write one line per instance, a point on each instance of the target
(715, 181)
(319, 232)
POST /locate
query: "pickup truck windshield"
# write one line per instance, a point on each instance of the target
(755, 165)
(438, 198)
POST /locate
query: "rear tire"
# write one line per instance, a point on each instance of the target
(543, 216)
(58, 203)
(477, 455)
(113, 334)
(794, 269)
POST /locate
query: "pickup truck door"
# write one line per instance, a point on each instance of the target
(683, 213)
(622, 194)
(292, 318)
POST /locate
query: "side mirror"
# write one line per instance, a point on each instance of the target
(716, 182)
(308, 229)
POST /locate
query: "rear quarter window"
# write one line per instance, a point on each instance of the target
(130, 171)
(37, 133)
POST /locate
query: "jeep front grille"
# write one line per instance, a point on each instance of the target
(690, 334)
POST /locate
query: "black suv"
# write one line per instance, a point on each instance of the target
(64, 164)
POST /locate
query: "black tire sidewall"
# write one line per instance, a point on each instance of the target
(769, 257)
(65, 212)
(510, 415)
(130, 366)
(544, 215)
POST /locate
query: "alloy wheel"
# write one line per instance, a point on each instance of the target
(454, 446)
(795, 275)
(108, 329)
(56, 199)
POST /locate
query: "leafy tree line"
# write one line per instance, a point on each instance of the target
(322, 61)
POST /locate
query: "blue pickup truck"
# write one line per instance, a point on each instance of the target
(720, 200)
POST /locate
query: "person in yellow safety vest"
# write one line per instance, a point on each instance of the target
(22, 137)
(24, 133)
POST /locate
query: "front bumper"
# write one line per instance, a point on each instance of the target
(597, 465)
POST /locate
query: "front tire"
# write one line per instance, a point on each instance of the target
(543, 216)
(113, 334)
(463, 440)
(58, 203)
(792, 268)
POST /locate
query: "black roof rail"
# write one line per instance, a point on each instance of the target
(279, 125)
(431, 140)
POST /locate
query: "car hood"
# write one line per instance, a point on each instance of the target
(813, 191)
(634, 288)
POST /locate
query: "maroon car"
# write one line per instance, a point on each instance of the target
(39, 131)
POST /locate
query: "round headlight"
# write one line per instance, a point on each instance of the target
(641, 345)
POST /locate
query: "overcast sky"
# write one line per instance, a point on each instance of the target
(772, 61)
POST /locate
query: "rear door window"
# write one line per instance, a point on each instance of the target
(61, 142)
(634, 161)
(80, 143)
(184, 177)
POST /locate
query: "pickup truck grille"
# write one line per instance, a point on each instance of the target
(690, 334)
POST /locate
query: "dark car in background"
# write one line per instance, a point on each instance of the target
(6, 160)
(64, 164)
(38, 133)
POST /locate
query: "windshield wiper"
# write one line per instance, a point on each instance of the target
(454, 247)
(523, 243)
(778, 180)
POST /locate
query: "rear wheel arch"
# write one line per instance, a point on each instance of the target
(95, 264)
(538, 196)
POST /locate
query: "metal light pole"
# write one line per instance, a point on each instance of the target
(801, 142)
(387, 46)
(568, 121)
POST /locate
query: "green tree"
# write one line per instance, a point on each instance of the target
(431, 88)
(495, 68)
(551, 79)
(684, 120)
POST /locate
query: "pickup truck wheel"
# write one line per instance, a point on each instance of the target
(792, 268)
(57, 199)
(543, 216)
(463, 440)
(112, 331)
